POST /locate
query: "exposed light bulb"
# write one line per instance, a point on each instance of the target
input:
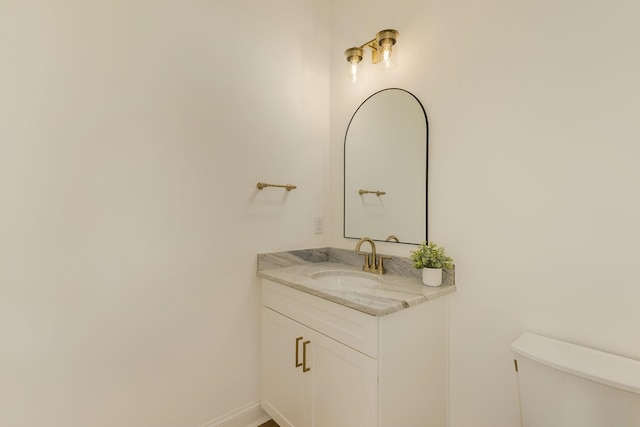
(354, 72)
(354, 59)
(385, 40)
(387, 57)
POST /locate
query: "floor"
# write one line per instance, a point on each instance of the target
(270, 423)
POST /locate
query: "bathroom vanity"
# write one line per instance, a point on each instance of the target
(345, 348)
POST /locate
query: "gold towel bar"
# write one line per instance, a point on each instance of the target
(377, 193)
(262, 185)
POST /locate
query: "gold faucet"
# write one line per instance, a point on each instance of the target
(375, 263)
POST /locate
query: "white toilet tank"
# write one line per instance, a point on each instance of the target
(566, 385)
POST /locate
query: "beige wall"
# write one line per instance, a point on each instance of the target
(533, 110)
(132, 135)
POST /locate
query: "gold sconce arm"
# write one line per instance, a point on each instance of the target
(374, 50)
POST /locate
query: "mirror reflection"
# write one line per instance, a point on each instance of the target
(385, 168)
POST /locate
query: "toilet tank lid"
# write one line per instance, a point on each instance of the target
(610, 369)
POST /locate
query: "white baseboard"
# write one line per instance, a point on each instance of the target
(250, 415)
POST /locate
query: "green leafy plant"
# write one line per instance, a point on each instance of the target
(430, 255)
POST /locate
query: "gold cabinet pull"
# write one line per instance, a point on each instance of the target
(304, 357)
(298, 364)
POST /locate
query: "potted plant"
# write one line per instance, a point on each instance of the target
(431, 259)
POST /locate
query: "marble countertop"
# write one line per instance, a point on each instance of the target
(392, 293)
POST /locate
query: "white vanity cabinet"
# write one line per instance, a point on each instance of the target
(327, 365)
(305, 393)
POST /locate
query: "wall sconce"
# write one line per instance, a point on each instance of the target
(381, 53)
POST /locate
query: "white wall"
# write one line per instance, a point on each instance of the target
(132, 135)
(533, 110)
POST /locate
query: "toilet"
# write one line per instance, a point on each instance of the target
(567, 385)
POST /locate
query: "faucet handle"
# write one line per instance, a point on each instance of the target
(380, 267)
(367, 262)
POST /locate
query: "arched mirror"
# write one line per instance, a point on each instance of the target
(385, 168)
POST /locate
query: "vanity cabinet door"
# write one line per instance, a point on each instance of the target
(284, 390)
(344, 385)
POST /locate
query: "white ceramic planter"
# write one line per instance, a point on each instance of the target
(432, 276)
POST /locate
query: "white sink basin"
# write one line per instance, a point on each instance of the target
(341, 279)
